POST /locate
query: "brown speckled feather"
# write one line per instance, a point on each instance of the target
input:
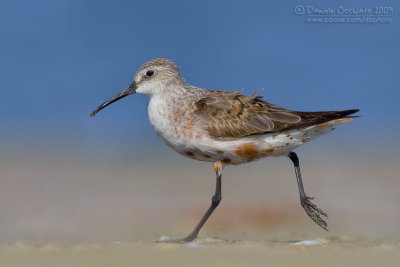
(229, 115)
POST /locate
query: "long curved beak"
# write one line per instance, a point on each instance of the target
(131, 89)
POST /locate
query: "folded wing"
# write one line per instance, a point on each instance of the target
(228, 115)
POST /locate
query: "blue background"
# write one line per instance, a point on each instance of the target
(61, 59)
(66, 176)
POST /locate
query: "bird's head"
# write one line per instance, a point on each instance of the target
(152, 78)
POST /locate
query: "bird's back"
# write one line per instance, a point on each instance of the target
(228, 115)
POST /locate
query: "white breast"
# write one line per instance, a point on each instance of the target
(171, 124)
(159, 117)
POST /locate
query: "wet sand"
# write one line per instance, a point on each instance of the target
(205, 252)
(72, 210)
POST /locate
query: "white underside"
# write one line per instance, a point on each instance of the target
(212, 150)
(267, 145)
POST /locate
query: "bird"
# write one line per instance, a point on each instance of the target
(226, 127)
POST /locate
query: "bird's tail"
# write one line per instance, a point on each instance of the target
(326, 118)
(346, 113)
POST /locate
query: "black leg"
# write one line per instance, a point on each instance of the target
(311, 209)
(215, 200)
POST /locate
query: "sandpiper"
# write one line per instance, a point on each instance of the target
(225, 128)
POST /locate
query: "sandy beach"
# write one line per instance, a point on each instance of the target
(206, 252)
(72, 210)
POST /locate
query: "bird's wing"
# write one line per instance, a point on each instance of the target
(233, 115)
(228, 115)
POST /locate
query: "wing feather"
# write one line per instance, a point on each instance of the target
(228, 115)
(232, 114)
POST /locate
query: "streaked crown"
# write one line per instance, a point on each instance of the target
(156, 75)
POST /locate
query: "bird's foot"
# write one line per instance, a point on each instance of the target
(184, 240)
(314, 212)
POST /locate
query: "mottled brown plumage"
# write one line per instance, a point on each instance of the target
(229, 115)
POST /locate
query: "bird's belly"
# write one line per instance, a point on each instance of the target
(195, 143)
(250, 148)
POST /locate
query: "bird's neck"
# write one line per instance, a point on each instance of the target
(167, 111)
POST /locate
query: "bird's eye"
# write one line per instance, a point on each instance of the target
(149, 73)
